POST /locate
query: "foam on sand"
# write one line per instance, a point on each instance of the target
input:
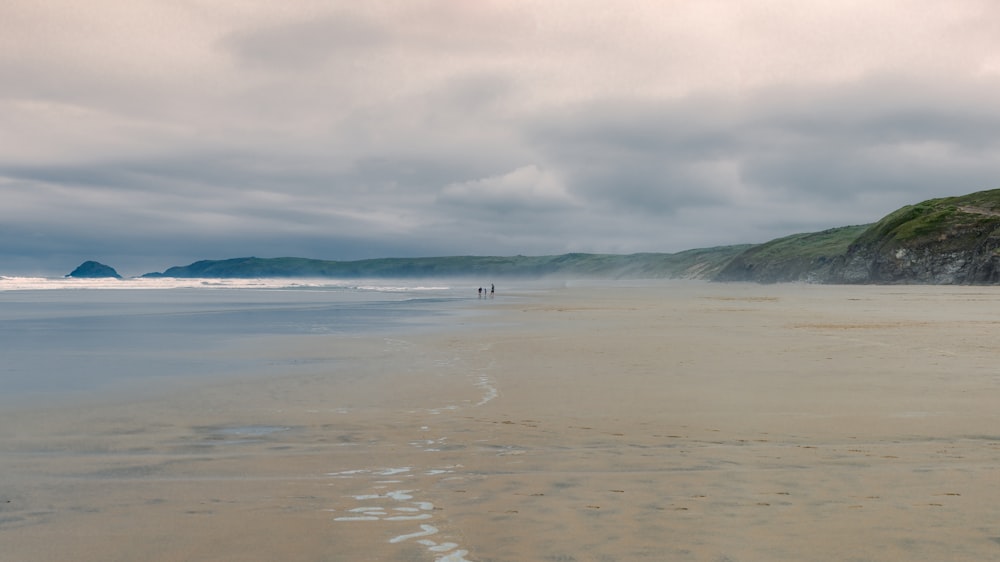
(401, 505)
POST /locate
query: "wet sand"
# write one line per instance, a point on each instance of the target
(675, 421)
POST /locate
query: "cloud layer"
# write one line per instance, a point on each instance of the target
(150, 134)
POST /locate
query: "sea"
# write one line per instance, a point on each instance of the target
(64, 339)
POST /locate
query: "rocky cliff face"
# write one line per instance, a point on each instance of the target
(948, 241)
(764, 269)
(937, 242)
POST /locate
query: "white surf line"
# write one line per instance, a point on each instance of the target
(429, 445)
(457, 556)
(397, 343)
(442, 409)
(379, 472)
(489, 389)
(485, 382)
(393, 471)
(435, 547)
(389, 513)
(420, 517)
(482, 381)
(426, 531)
(402, 506)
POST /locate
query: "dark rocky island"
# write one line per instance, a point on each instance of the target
(94, 270)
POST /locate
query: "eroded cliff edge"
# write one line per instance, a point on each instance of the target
(945, 241)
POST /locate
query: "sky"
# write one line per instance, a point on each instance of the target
(152, 133)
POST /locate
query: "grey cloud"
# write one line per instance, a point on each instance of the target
(518, 196)
(649, 158)
(478, 97)
(299, 44)
(878, 135)
(143, 230)
(836, 144)
(689, 127)
(363, 37)
(885, 108)
(438, 127)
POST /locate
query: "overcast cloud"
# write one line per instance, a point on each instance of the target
(152, 133)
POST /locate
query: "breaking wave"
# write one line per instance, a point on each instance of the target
(64, 283)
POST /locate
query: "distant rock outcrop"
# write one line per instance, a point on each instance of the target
(94, 270)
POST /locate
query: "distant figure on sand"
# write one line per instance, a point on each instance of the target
(480, 292)
(492, 289)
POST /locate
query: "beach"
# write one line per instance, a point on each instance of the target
(591, 422)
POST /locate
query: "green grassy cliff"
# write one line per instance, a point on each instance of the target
(799, 257)
(951, 240)
(701, 263)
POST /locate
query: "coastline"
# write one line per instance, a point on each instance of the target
(660, 421)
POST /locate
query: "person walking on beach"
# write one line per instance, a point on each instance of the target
(480, 292)
(492, 289)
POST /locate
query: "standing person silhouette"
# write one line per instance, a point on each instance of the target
(492, 289)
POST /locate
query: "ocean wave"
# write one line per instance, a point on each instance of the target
(8, 283)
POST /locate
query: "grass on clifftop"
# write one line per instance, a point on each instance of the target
(699, 263)
(809, 247)
(932, 217)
